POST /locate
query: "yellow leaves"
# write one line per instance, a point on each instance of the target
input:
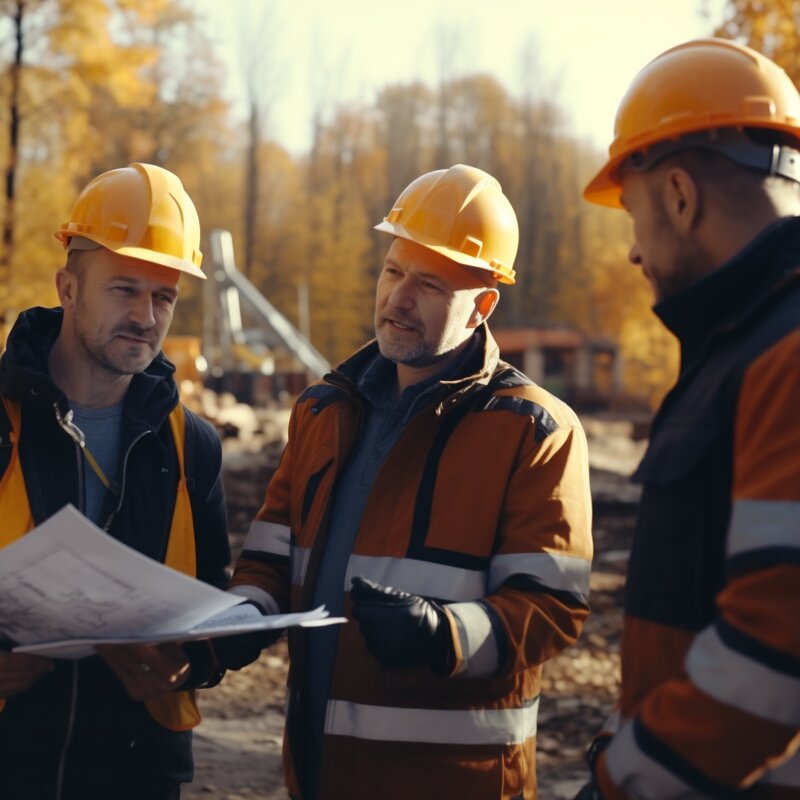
(81, 36)
(769, 26)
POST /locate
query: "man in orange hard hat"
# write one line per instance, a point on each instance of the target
(706, 160)
(438, 498)
(90, 415)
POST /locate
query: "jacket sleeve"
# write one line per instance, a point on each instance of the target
(207, 496)
(735, 717)
(203, 469)
(262, 570)
(539, 573)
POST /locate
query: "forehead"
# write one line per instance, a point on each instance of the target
(411, 256)
(106, 264)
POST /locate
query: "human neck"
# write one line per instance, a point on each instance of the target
(82, 381)
(408, 375)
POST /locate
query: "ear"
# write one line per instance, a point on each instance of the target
(485, 302)
(681, 199)
(67, 288)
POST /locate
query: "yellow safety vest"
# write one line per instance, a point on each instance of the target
(178, 710)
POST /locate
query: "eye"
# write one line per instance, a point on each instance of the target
(123, 289)
(434, 287)
(164, 299)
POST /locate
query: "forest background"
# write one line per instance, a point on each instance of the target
(91, 85)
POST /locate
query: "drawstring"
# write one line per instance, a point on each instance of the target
(77, 436)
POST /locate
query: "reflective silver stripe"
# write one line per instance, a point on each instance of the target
(553, 570)
(419, 577)
(740, 682)
(756, 524)
(478, 643)
(268, 537)
(300, 556)
(264, 599)
(639, 777)
(476, 726)
(787, 774)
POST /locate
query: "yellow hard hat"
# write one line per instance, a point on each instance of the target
(701, 85)
(461, 213)
(141, 211)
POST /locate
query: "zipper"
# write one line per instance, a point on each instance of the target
(107, 524)
(62, 761)
(76, 434)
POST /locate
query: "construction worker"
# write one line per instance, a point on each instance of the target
(706, 160)
(440, 499)
(90, 415)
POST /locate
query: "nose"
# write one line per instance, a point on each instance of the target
(140, 311)
(401, 295)
(634, 254)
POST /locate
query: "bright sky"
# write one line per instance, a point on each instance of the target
(345, 50)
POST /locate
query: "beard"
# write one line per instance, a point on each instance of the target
(112, 354)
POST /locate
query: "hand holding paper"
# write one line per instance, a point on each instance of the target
(67, 586)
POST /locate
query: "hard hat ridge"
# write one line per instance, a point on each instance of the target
(462, 214)
(700, 86)
(141, 211)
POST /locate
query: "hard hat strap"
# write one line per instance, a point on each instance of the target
(734, 143)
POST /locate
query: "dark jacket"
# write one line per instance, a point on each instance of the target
(79, 716)
(711, 643)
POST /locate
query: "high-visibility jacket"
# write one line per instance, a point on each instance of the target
(483, 503)
(178, 710)
(711, 646)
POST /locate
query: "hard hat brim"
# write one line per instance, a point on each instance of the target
(141, 253)
(602, 189)
(454, 255)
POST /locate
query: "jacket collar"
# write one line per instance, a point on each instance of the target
(477, 368)
(24, 375)
(728, 296)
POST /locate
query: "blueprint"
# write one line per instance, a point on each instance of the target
(67, 585)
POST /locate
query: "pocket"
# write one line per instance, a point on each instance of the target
(311, 491)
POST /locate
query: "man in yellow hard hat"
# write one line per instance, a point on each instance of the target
(706, 160)
(90, 415)
(438, 498)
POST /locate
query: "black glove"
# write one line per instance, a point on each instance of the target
(241, 649)
(402, 629)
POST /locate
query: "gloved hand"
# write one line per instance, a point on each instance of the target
(402, 629)
(241, 649)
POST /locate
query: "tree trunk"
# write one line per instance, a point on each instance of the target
(15, 74)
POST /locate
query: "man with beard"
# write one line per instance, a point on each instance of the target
(90, 415)
(706, 160)
(440, 499)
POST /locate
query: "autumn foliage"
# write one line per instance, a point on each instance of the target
(89, 85)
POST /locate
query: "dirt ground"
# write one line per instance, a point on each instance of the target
(237, 746)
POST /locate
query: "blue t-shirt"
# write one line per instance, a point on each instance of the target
(102, 428)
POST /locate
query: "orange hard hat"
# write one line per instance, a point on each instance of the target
(141, 211)
(701, 85)
(462, 214)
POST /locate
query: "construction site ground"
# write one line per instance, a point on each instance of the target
(238, 744)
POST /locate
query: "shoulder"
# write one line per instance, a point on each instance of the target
(318, 396)
(514, 392)
(204, 438)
